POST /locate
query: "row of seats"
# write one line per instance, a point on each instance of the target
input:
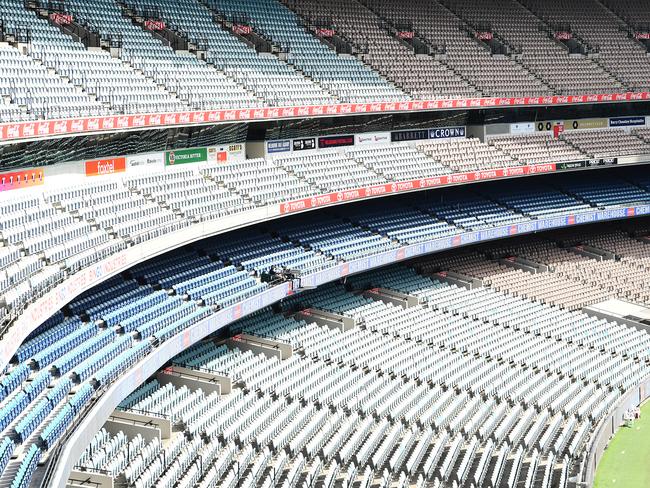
(408, 395)
(68, 230)
(110, 328)
(58, 77)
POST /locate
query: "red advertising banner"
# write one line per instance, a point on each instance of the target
(484, 36)
(563, 36)
(404, 186)
(154, 25)
(406, 34)
(61, 19)
(43, 129)
(325, 32)
(21, 179)
(642, 35)
(100, 167)
(242, 30)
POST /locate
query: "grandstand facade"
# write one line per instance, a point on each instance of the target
(300, 243)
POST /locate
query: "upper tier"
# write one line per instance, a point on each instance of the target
(90, 60)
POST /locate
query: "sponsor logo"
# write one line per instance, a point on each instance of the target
(294, 206)
(22, 179)
(486, 175)
(287, 112)
(626, 121)
(304, 144)
(186, 156)
(376, 190)
(405, 186)
(197, 117)
(243, 114)
(44, 128)
(92, 124)
(77, 125)
(278, 146)
(60, 127)
(145, 160)
(321, 200)
(446, 132)
(335, 141)
(100, 167)
(434, 181)
(28, 130)
(350, 194)
(458, 178)
(155, 119)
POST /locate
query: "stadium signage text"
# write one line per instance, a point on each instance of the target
(304, 144)
(101, 167)
(25, 130)
(242, 30)
(627, 121)
(278, 146)
(154, 25)
(21, 179)
(140, 162)
(335, 141)
(186, 156)
(404, 186)
(446, 132)
(61, 19)
(571, 165)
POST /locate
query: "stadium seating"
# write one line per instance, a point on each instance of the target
(598, 27)
(77, 354)
(532, 36)
(132, 70)
(67, 230)
(395, 398)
